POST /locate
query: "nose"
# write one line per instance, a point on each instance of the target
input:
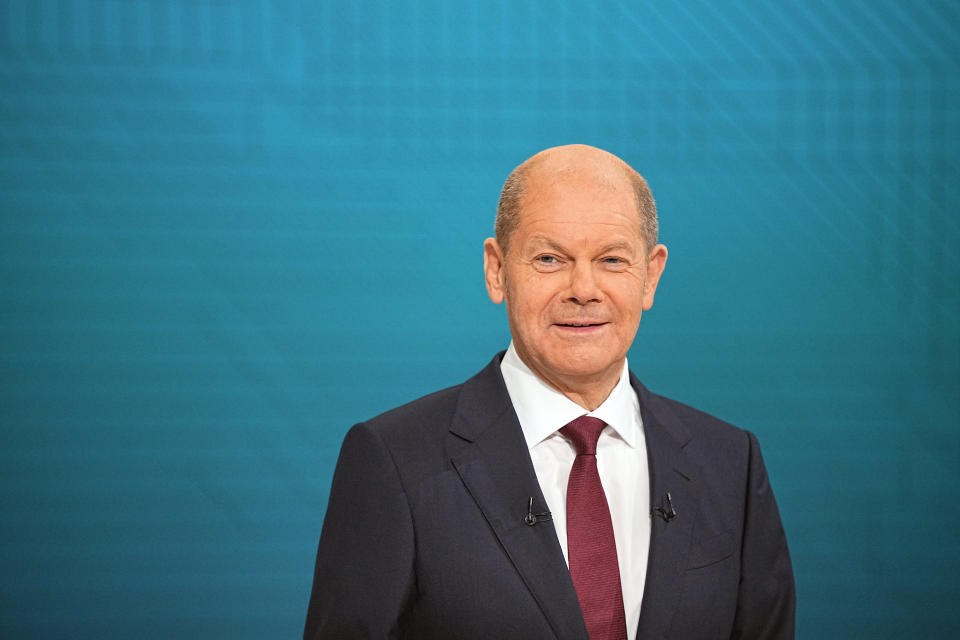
(583, 286)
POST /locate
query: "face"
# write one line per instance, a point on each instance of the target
(576, 278)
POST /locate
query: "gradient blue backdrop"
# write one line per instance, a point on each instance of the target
(223, 223)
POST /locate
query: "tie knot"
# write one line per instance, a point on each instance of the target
(584, 432)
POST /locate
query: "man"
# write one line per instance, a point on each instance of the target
(552, 495)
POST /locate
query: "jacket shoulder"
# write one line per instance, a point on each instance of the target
(699, 421)
(428, 416)
(435, 408)
(698, 431)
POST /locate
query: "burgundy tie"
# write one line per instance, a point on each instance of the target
(591, 548)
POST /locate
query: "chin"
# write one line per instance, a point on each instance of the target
(585, 367)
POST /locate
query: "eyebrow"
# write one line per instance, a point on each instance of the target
(539, 240)
(617, 246)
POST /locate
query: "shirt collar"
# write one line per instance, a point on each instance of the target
(542, 410)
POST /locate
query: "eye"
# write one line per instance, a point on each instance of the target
(547, 262)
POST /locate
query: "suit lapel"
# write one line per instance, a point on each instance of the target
(491, 457)
(670, 471)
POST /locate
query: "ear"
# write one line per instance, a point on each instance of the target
(656, 261)
(493, 265)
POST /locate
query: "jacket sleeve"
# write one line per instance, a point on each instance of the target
(766, 602)
(364, 579)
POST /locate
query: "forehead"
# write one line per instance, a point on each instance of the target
(580, 204)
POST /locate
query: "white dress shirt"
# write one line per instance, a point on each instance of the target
(621, 462)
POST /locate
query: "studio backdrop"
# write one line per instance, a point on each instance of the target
(225, 223)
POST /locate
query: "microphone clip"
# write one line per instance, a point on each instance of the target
(666, 510)
(533, 518)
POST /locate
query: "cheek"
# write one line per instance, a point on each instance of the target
(525, 309)
(628, 303)
(532, 297)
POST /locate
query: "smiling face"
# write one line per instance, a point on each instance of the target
(577, 276)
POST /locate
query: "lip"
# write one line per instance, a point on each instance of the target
(584, 328)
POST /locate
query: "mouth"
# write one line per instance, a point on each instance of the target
(579, 327)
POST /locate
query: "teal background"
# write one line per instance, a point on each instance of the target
(230, 230)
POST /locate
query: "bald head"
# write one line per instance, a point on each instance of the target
(580, 161)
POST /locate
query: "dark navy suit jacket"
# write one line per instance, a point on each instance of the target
(425, 534)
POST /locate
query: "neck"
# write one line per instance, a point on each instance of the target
(588, 391)
(590, 396)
